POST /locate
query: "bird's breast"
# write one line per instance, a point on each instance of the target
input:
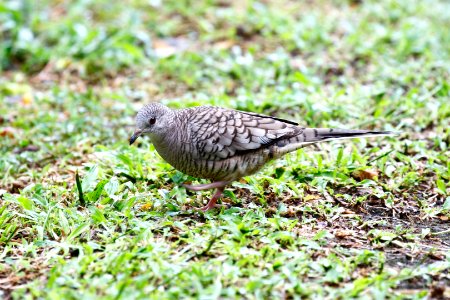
(184, 157)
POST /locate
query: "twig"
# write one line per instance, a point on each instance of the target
(440, 232)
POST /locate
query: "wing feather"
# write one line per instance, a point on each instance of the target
(218, 133)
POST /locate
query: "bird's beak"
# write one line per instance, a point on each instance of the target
(135, 135)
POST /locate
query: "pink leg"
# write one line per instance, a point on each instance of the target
(207, 186)
(212, 202)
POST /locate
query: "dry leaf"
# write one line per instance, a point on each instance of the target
(29, 148)
(170, 46)
(7, 131)
(343, 233)
(27, 99)
(226, 44)
(444, 218)
(365, 174)
(439, 292)
(147, 206)
(311, 197)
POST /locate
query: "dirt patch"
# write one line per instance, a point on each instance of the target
(15, 278)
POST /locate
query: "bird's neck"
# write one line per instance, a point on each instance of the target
(167, 144)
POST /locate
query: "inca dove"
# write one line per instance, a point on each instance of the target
(224, 145)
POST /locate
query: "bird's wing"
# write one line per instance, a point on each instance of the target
(219, 133)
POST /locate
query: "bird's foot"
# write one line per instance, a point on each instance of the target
(208, 207)
(212, 203)
(206, 186)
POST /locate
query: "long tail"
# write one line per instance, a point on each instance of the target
(316, 135)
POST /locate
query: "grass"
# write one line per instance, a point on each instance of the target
(84, 215)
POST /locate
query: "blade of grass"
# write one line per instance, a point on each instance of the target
(80, 190)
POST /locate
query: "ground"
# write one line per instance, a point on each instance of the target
(84, 215)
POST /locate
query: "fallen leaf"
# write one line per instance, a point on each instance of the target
(444, 218)
(246, 32)
(297, 63)
(437, 255)
(222, 45)
(7, 131)
(27, 99)
(311, 197)
(343, 233)
(29, 148)
(147, 206)
(365, 174)
(439, 291)
(170, 46)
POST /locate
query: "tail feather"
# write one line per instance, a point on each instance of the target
(316, 135)
(326, 134)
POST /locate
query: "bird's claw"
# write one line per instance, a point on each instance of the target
(208, 207)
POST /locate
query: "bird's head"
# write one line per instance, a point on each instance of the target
(153, 119)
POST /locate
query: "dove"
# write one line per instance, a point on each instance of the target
(224, 145)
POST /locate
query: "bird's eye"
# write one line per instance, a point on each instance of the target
(152, 121)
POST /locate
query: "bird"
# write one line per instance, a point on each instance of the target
(224, 145)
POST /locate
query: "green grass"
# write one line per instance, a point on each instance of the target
(356, 219)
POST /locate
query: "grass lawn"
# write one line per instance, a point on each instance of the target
(365, 218)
